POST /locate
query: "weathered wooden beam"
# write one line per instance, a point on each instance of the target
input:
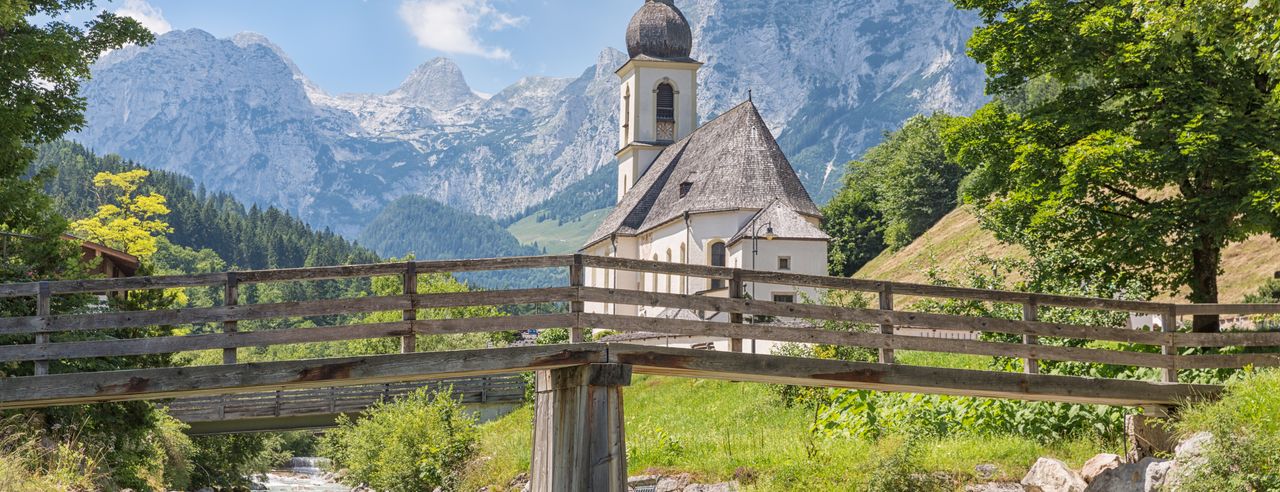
(1030, 312)
(577, 279)
(409, 342)
(810, 334)
(130, 319)
(874, 316)
(231, 340)
(736, 293)
(897, 377)
(230, 298)
(148, 384)
(579, 442)
(1169, 325)
(886, 304)
(43, 308)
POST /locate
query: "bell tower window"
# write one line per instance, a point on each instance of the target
(666, 124)
(626, 115)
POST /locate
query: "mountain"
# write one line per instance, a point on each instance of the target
(245, 237)
(431, 230)
(237, 115)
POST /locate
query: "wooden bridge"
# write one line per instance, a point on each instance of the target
(578, 443)
(319, 408)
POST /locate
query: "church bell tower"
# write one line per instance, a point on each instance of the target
(658, 98)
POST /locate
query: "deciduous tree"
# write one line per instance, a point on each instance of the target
(1160, 146)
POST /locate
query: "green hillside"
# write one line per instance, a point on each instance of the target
(556, 236)
(1246, 264)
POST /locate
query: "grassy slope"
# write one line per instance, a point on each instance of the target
(1246, 265)
(557, 238)
(715, 428)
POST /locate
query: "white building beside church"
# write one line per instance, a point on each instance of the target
(720, 194)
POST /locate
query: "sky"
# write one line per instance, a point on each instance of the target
(372, 45)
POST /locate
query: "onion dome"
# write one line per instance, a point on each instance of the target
(659, 30)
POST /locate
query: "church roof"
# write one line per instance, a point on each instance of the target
(784, 222)
(730, 163)
(659, 31)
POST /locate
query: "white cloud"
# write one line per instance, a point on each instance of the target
(146, 14)
(450, 25)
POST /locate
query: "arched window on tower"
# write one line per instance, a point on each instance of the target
(717, 260)
(666, 127)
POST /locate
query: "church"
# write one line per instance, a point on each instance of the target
(719, 194)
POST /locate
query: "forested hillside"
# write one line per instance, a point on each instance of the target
(244, 239)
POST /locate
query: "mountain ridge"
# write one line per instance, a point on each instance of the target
(829, 76)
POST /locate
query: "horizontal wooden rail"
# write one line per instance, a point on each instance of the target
(284, 275)
(174, 344)
(250, 312)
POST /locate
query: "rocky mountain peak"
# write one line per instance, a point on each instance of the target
(437, 84)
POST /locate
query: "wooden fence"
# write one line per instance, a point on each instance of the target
(44, 327)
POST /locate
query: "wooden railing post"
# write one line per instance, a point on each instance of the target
(736, 292)
(43, 308)
(577, 278)
(409, 343)
(886, 304)
(1030, 312)
(231, 298)
(1170, 325)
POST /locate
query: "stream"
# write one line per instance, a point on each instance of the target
(303, 475)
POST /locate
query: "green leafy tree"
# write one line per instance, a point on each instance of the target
(42, 65)
(893, 194)
(125, 220)
(1158, 148)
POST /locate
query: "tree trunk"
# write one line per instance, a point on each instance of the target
(1205, 262)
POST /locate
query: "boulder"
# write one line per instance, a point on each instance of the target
(1050, 475)
(1158, 476)
(1129, 477)
(1187, 458)
(994, 487)
(1099, 464)
(986, 471)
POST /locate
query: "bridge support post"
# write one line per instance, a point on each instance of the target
(578, 437)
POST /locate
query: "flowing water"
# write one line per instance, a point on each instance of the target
(303, 475)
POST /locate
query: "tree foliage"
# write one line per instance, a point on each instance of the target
(125, 220)
(41, 68)
(1159, 146)
(893, 194)
(419, 442)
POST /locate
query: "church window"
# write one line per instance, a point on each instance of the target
(653, 281)
(671, 279)
(626, 115)
(717, 260)
(784, 298)
(784, 262)
(666, 126)
(683, 260)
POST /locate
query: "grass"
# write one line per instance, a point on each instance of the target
(717, 430)
(1245, 264)
(555, 237)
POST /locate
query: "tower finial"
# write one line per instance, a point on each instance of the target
(750, 98)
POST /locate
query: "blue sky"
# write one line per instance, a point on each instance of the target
(371, 45)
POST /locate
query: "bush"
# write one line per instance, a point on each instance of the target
(231, 460)
(26, 466)
(416, 443)
(903, 471)
(1244, 454)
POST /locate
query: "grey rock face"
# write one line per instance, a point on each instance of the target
(238, 116)
(1098, 465)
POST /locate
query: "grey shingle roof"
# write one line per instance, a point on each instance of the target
(659, 30)
(786, 224)
(730, 163)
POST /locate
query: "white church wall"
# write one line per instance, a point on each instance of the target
(806, 257)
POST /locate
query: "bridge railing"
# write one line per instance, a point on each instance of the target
(570, 312)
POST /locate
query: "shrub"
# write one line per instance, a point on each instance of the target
(230, 461)
(1244, 454)
(26, 466)
(419, 442)
(903, 471)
